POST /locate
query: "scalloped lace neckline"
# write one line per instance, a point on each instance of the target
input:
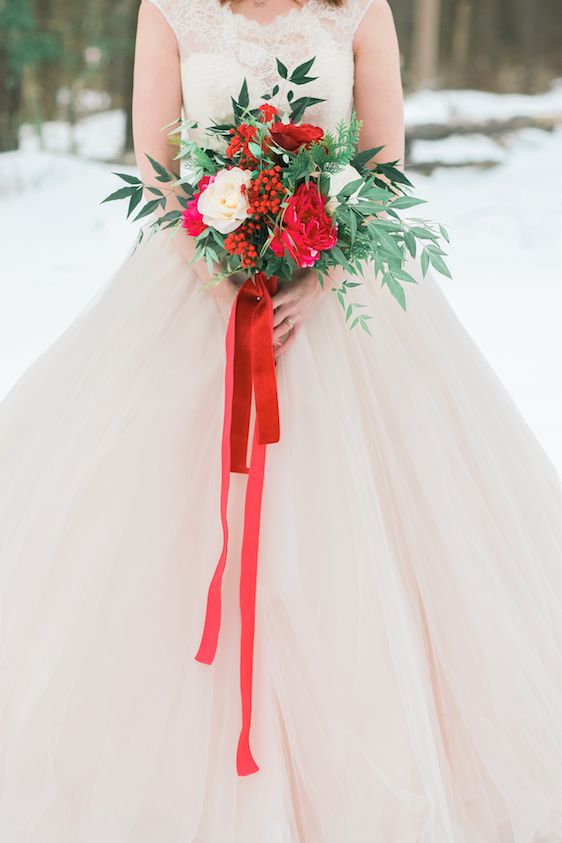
(252, 23)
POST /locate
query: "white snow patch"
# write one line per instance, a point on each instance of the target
(454, 106)
(99, 136)
(457, 149)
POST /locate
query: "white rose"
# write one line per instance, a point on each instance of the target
(223, 205)
(337, 182)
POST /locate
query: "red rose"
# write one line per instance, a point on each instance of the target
(291, 136)
(307, 228)
(268, 112)
(192, 220)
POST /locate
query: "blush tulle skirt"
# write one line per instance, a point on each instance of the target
(408, 643)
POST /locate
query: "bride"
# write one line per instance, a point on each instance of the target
(407, 681)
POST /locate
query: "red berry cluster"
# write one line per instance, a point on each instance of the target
(266, 192)
(240, 243)
(241, 137)
(268, 112)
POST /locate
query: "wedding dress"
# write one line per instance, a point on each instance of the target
(407, 678)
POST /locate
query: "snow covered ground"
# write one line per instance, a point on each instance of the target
(59, 245)
(454, 106)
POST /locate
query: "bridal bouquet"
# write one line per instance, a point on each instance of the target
(269, 195)
(272, 194)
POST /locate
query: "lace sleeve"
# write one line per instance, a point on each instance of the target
(357, 10)
(170, 10)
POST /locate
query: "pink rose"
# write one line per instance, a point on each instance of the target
(192, 219)
(307, 229)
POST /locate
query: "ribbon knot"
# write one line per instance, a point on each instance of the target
(250, 367)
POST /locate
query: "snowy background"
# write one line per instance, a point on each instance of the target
(504, 214)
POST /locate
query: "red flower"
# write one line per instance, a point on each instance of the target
(307, 228)
(192, 220)
(268, 112)
(291, 136)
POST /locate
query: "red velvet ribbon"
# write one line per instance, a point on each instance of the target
(250, 365)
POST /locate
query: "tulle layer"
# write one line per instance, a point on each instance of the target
(408, 670)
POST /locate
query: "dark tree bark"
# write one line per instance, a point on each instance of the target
(10, 106)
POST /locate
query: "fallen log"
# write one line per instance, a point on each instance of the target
(439, 131)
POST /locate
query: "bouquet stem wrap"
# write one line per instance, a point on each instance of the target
(250, 365)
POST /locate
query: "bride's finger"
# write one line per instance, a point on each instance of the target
(281, 330)
(281, 349)
(284, 312)
(281, 297)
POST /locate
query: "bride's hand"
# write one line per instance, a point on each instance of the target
(294, 301)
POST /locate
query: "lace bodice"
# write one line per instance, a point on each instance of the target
(219, 47)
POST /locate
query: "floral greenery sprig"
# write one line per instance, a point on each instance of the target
(269, 193)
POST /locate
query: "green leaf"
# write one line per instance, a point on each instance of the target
(352, 226)
(136, 199)
(122, 193)
(338, 254)
(148, 209)
(423, 233)
(395, 288)
(211, 253)
(303, 80)
(155, 191)
(129, 179)
(243, 96)
(177, 130)
(410, 242)
(439, 264)
(324, 184)
(341, 298)
(350, 188)
(394, 174)
(424, 262)
(281, 69)
(444, 233)
(361, 158)
(302, 69)
(402, 275)
(298, 107)
(170, 217)
(255, 149)
(388, 242)
(365, 326)
(404, 202)
(163, 174)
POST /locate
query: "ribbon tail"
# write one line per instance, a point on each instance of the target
(263, 371)
(242, 379)
(209, 640)
(245, 762)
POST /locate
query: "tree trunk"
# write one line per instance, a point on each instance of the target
(425, 60)
(128, 80)
(10, 106)
(460, 40)
(529, 38)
